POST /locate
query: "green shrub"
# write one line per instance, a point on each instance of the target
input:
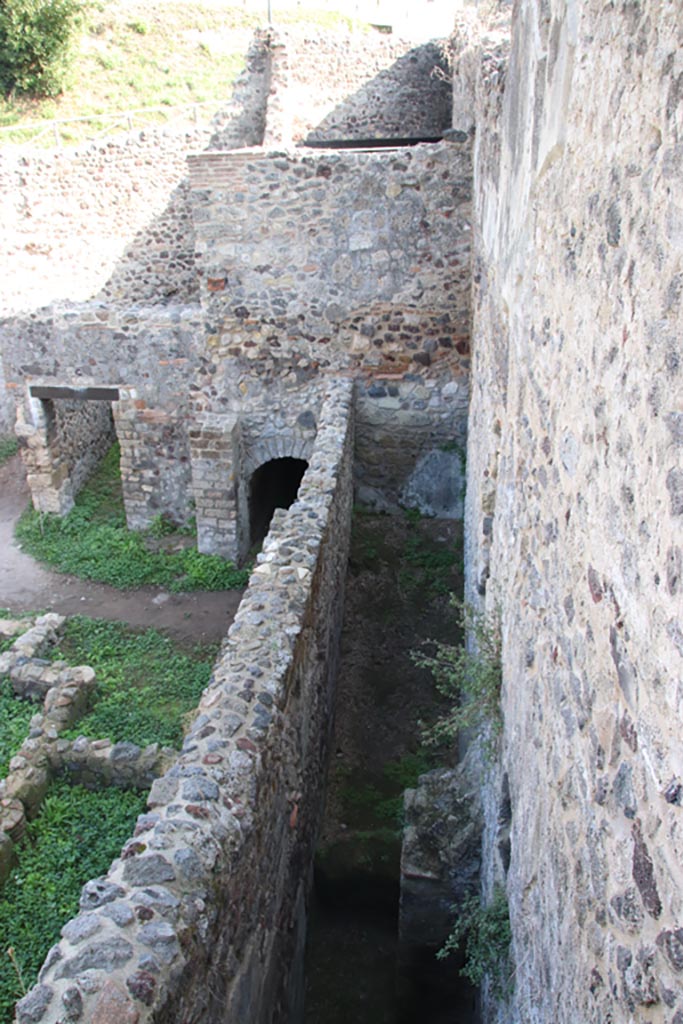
(74, 838)
(145, 684)
(486, 933)
(35, 38)
(470, 675)
(93, 542)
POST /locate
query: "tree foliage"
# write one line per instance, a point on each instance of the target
(35, 41)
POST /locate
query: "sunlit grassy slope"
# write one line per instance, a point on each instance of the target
(133, 54)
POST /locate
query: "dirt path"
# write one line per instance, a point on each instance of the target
(27, 586)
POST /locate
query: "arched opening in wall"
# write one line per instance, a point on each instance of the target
(273, 485)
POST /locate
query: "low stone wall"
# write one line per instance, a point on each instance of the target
(64, 692)
(203, 916)
(411, 438)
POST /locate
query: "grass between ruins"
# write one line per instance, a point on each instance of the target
(146, 685)
(15, 716)
(8, 447)
(74, 838)
(93, 542)
(148, 53)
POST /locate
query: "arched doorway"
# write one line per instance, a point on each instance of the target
(273, 485)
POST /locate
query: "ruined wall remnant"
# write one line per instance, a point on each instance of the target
(353, 261)
(80, 210)
(148, 355)
(357, 85)
(574, 498)
(62, 445)
(203, 916)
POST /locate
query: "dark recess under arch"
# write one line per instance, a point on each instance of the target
(273, 485)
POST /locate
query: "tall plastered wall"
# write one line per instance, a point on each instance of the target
(575, 503)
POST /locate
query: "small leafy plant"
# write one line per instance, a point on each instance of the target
(15, 716)
(486, 935)
(468, 673)
(8, 447)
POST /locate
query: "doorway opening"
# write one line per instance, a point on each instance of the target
(273, 485)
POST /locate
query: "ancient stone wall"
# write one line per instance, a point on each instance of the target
(203, 917)
(341, 261)
(150, 356)
(575, 500)
(112, 216)
(358, 85)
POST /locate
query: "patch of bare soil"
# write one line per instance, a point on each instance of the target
(27, 586)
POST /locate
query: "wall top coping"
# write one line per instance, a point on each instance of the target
(206, 169)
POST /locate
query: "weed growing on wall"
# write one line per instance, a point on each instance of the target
(8, 447)
(94, 543)
(15, 716)
(75, 837)
(145, 684)
(485, 932)
(469, 674)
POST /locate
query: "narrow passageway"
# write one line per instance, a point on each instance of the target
(402, 570)
(273, 485)
(27, 586)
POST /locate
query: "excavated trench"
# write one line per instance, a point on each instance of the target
(402, 570)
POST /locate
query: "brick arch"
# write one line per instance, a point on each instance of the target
(286, 445)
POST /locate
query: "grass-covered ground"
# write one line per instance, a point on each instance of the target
(15, 716)
(146, 684)
(74, 838)
(8, 447)
(93, 542)
(133, 54)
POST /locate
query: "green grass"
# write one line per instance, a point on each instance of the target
(15, 716)
(375, 804)
(146, 685)
(425, 569)
(93, 542)
(74, 839)
(8, 447)
(139, 55)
